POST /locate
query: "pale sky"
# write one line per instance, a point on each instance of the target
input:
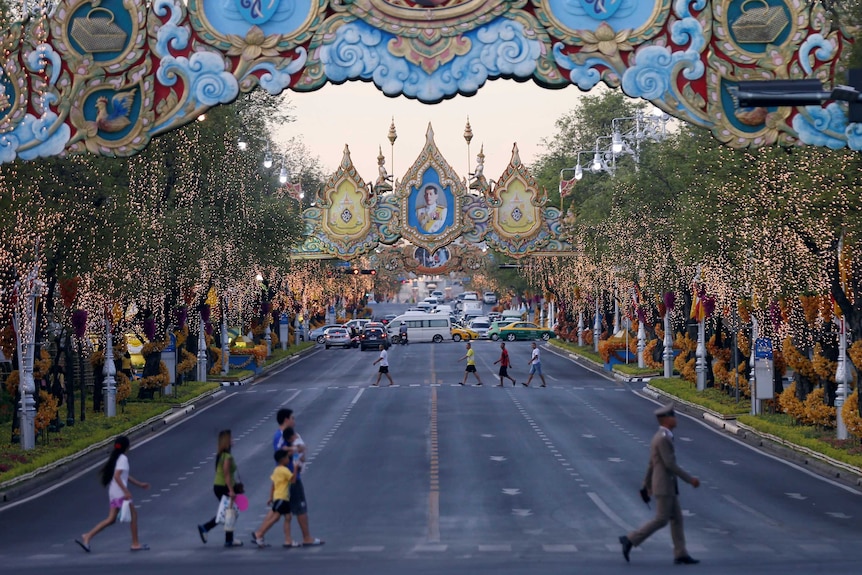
(502, 113)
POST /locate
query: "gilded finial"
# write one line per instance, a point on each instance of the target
(468, 132)
(392, 134)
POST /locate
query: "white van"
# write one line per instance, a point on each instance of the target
(421, 327)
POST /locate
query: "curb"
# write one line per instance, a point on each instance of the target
(815, 462)
(49, 474)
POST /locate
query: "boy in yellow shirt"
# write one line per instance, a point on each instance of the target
(279, 497)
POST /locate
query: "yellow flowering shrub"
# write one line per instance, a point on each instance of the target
(744, 344)
(720, 361)
(816, 410)
(850, 414)
(157, 381)
(609, 346)
(648, 355)
(800, 364)
(826, 308)
(685, 366)
(823, 367)
(12, 381)
(188, 362)
(790, 404)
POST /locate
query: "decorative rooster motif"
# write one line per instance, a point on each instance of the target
(116, 117)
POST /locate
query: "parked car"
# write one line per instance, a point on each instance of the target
(339, 336)
(524, 330)
(489, 298)
(458, 333)
(317, 334)
(373, 337)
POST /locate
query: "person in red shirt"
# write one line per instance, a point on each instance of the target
(504, 365)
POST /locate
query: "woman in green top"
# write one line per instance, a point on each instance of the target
(225, 479)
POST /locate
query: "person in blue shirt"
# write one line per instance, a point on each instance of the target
(298, 505)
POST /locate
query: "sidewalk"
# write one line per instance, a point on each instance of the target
(47, 475)
(797, 454)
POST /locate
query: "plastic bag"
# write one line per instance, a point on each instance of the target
(125, 515)
(230, 515)
(223, 504)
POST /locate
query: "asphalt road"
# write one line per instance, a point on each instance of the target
(432, 477)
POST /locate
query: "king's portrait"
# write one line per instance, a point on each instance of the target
(431, 209)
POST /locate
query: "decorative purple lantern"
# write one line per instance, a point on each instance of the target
(79, 322)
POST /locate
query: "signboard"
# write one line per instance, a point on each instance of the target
(763, 348)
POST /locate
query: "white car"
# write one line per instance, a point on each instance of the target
(481, 326)
(489, 297)
(425, 306)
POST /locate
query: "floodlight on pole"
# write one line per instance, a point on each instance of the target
(267, 157)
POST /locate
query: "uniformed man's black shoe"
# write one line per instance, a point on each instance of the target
(627, 546)
(685, 560)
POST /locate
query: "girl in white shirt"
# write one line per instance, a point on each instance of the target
(115, 476)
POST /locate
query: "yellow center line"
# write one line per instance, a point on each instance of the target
(434, 487)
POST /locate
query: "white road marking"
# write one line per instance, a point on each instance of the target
(511, 491)
(522, 512)
(498, 458)
(838, 515)
(560, 548)
(603, 507)
(797, 496)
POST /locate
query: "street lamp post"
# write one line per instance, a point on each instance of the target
(841, 374)
(202, 350)
(668, 345)
(752, 380)
(110, 371)
(597, 324)
(225, 344)
(581, 327)
(700, 363)
(26, 354)
(641, 345)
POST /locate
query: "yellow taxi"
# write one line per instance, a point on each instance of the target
(465, 333)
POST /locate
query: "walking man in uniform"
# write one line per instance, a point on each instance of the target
(383, 359)
(470, 356)
(504, 365)
(661, 482)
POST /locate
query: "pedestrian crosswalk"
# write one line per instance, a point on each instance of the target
(425, 385)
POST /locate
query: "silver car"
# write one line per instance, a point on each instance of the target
(317, 334)
(339, 336)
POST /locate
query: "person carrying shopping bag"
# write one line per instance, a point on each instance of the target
(115, 476)
(224, 485)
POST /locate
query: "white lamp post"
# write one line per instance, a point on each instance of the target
(225, 344)
(581, 327)
(641, 344)
(26, 354)
(110, 371)
(597, 325)
(841, 378)
(752, 380)
(202, 351)
(700, 363)
(668, 345)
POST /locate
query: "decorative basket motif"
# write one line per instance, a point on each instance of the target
(98, 34)
(760, 25)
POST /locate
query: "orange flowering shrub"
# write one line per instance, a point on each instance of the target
(12, 381)
(609, 346)
(47, 411)
(790, 404)
(124, 387)
(588, 337)
(826, 308)
(720, 361)
(850, 413)
(855, 353)
(648, 359)
(816, 410)
(258, 352)
(682, 364)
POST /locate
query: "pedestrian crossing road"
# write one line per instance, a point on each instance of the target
(428, 476)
